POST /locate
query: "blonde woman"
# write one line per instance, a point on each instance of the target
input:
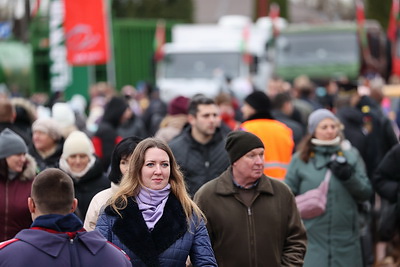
(152, 217)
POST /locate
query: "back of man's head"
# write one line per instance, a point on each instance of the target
(7, 110)
(53, 192)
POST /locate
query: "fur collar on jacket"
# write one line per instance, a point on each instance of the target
(132, 231)
(30, 170)
(27, 174)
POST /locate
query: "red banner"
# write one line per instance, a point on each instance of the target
(159, 40)
(392, 27)
(86, 34)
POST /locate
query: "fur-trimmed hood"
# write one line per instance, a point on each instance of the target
(29, 172)
(26, 110)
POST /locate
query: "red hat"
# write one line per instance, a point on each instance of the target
(178, 105)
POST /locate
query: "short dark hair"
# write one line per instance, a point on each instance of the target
(53, 191)
(121, 150)
(280, 99)
(197, 100)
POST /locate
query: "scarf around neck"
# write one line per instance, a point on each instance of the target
(151, 203)
(76, 175)
(333, 142)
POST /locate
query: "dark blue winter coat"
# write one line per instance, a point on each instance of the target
(168, 244)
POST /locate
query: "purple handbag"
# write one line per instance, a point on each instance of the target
(313, 202)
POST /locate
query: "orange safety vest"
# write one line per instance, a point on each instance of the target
(278, 142)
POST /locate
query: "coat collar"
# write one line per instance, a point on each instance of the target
(132, 230)
(52, 243)
(225, 184)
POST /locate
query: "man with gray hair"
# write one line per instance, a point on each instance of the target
(252, 219)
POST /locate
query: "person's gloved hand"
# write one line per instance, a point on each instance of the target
(341, 169)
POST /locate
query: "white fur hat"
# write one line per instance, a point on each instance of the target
(49, 126)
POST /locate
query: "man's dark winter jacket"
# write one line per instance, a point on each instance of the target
(199, 163)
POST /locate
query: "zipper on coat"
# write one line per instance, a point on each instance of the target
(6, 217)
(252, 239)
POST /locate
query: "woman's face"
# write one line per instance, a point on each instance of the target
(16, 162)
(156, 169)
(42, 141)
(78, 162)
(124, 164)
(327, 129)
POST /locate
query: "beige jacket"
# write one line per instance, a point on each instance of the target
(95, 206)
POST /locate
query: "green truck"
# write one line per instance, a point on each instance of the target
(334, 50)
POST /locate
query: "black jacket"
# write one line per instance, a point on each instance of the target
(386, 179)
(199, 163)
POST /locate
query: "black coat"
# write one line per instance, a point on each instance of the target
(199, 163)
(386, 179)
(88, 186)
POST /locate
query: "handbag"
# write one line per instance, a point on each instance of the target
(313, 202)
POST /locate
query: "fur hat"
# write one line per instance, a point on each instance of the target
(238, 143)
(317, 116)
(49, 126)
(11, 144)
(178, 105)
(259, 101)
(77, 142)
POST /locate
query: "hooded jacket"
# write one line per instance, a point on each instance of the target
(14, 211)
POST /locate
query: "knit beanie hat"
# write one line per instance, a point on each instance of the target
(238, 143)
(11, 144)
(77, 142)
(49, 126)
(178, 105)
(317, 116)
(259, 101)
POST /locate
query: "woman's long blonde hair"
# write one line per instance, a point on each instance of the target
(131, 182)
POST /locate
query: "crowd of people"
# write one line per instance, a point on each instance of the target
(201, 181)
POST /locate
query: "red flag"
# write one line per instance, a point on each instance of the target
(391, 31)
(159, 40)
(274, 11)
(35, 8)
(360, 12)
(244, 45)
(86, 32)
